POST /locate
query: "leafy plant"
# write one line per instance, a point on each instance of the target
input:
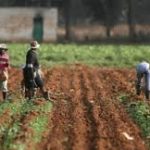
(123, 98)
(98, 54)
(140, 111)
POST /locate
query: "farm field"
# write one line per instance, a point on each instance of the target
(93, 54)
(86, 113)
(93, 107)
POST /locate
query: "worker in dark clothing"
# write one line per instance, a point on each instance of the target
(31, 57)
(31, 72)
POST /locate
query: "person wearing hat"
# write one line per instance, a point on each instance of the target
(32, 74)
(4, 65)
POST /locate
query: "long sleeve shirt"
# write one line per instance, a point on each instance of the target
(142, 67)
(32, 59)
(4, 61)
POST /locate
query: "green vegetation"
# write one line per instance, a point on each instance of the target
(6, 132)
(13, 107)
(9, 134)
(40, 122)
(39, 126)
(20, 110)
(99, 55)
(62, 54)
(140, 112)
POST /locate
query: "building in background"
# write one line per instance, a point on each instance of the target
(75, 20)
(28, 20)
(24, 24)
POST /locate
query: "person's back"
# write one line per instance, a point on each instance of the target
(142, 67)
(143, 74)
(28, 75)
(32, 59)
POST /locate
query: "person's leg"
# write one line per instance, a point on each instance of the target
(1, 85)
(4, 95)
(5, 89)
(147, 86)
(138, 83)
(40, 83)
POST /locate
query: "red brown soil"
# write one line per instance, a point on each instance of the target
(87, 114)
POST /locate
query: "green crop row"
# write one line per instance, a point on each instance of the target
(99, 54)
(139, 111)
(10, 131)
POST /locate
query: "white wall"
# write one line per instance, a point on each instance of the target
(16, 24)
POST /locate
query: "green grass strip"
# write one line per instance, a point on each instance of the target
(91, 54)
(12, 128)
(140, 112)
(12, 106)
(9, 135)
(39, 124)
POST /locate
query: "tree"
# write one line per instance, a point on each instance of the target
(7, 2)
(130, 18)
(105, 11)
(45, 3)
(67, 17)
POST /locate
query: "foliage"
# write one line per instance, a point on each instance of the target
(24, 3)
(98, 54)
(39, 125)
(105, 10)
(123, 98)
(141, 113)
(10, 131)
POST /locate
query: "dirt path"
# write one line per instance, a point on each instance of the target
(87, 114)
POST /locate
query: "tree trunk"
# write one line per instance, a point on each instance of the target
(67, 6)
(107, 18)
(130, 19)
(108, 24)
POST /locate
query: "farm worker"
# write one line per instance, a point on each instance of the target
(143, 72)
(4, 65)
(33, 66)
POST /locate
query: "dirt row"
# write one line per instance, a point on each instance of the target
(87, 114)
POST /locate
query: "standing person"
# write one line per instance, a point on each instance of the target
(4, 65)
(143, 73)
(32, 73)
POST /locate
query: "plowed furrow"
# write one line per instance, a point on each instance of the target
(103, 128)
(61, 115)
(53, 140)
(123, 82)
(87, 114)
(66, 86)
(118, 119)
(79, 132)
(87, 99)
(52, 80)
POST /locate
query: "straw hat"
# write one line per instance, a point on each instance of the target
(34, 44)
(3, 46)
